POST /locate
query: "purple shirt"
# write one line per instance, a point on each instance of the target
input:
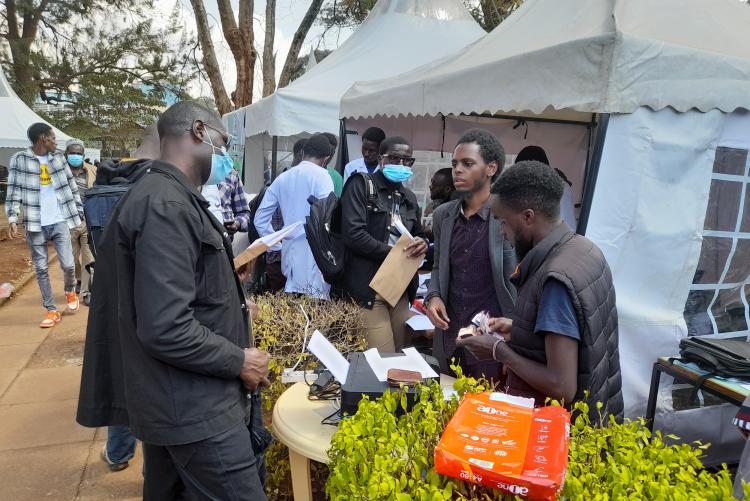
(472, 289)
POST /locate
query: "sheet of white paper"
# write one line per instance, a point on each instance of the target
(401, 228)
(417, 362)
(411, 361)
(420, 323)
(277, 236)
(329, 356)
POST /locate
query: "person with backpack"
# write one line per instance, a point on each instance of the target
(368, 231)
(290, 192)
(174, 304)
(40, 183)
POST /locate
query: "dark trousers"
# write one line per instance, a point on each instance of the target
(220, 468)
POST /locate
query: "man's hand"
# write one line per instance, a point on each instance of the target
(245, 271)
(481, 346)
(437, 313)
(502, 326)
(417, 248)
(232, 227)
(255, 368)
(13, 231)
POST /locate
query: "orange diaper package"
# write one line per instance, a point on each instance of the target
(503, 442)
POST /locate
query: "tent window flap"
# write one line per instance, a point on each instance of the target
(718, 300)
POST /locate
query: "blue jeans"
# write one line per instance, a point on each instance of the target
(120, 444)
(59, 234)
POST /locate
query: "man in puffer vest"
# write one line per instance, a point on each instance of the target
(563, 331)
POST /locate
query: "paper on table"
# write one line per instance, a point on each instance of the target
(420, 323)
(262, 244)
(329, 356)
(411, 360)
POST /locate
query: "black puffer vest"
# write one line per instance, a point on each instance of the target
(579, 264)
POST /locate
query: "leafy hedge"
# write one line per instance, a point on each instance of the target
(376, 455)
(279, 329)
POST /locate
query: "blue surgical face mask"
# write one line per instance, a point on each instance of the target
(397, 173)
(221, 164)
(75, 160)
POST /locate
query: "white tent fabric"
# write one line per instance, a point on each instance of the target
(18, 118)
(602, 56)
(398, 35)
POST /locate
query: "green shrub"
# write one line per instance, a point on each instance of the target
(376, 455)
(279, 329)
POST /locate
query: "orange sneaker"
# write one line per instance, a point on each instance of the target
(53, 317)
(72, 300)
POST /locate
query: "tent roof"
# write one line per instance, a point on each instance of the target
(18, 118)
(590, 56)
(398, 35)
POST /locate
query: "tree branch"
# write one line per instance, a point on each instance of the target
(210, 62)
(298, 40)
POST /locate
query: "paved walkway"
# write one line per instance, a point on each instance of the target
(44, 453)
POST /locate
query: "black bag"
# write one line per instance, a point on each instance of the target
(728, 357)
(323, 230)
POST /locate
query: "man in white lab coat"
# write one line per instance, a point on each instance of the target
(290, 192)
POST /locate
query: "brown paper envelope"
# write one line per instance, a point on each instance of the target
(396, 272)
(256, 249)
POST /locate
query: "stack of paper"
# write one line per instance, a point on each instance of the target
(264, 243)
(411, 361)
(329, 356)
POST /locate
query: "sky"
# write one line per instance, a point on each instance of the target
(289, 13)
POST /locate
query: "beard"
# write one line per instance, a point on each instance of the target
(522, 247)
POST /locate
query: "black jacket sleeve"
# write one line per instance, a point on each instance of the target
(167, 251)
(354, 223)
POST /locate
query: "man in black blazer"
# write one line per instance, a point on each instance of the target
(473, 261)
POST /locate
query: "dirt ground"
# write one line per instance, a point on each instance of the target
(14, 257)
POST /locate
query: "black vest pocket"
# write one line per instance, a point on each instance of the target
(213, 286)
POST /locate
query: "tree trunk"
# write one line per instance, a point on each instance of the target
(240, 39)
(269, 58)
(223, 103)
(20, 42)
(298, 40)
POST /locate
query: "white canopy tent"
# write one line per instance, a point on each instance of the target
(397, 35)
(662, 89)
(18, 118)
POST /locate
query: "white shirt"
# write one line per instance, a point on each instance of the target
(212, 196)
(568, 208)
(49, 207)
(290, 192)
(356, 165)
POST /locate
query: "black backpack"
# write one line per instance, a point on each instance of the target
(113, 180)
(728, 357)
(323, 230)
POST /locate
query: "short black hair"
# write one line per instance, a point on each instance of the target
(299, 145)
(390, 141)
(38, 130)
(317, 146)
(533, 152)
(445, 172)
(530, 185)
(489, 147)
(332, 139)
(375, 134)
(179, 118)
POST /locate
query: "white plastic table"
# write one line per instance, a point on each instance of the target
(297, 424)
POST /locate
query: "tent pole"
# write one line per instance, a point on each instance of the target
(343, 158)
(274, 154)
(592, 173)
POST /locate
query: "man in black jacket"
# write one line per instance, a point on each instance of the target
(369, 233)
(172, 301)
